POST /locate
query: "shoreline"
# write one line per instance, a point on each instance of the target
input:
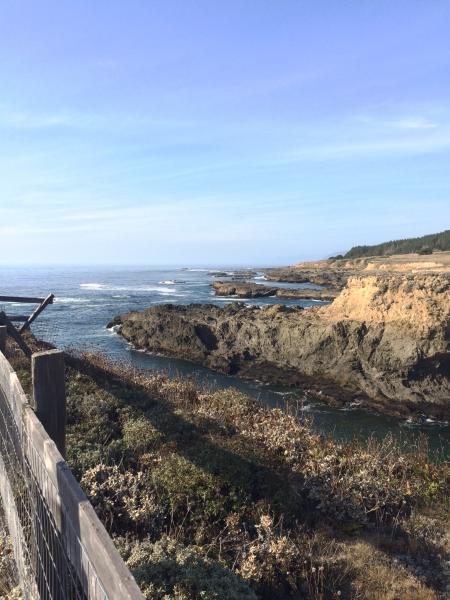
(382, 342)
(319, 392)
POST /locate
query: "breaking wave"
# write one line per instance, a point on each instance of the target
(124, 288)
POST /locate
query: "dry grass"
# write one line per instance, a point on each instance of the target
(242, 501)
(375, 577)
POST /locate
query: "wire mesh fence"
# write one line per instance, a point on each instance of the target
(60, 548)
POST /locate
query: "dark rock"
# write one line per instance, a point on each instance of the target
(364, 343)
(242, 290)
(255, 290)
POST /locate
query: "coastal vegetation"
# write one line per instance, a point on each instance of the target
(209, 495)
(422, 245)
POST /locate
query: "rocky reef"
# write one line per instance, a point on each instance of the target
(322, 274)
(385, 341)
(254, 290)
(242, 290)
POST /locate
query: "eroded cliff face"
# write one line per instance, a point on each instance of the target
(422, 300)
(385, 340)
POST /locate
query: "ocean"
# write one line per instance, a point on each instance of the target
(86, 299)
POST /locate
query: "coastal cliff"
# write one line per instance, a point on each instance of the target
(385, 341)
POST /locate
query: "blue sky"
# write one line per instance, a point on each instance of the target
(208, 132)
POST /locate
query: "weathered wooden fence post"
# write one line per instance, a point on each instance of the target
(49, 403)
(49, 394)
(3, 333)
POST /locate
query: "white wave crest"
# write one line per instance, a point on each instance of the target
(124, 288)
(71, 300)
(92, 286)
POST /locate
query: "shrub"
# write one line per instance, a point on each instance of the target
(193, 496)
(167, 570)
(120, 498)
(285, 564)
(140, 435)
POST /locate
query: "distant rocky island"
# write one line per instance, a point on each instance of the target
(383, 342)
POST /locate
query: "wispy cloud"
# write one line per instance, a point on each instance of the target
(414, 123)
(406, 122)
(33, 120)
(360, 149)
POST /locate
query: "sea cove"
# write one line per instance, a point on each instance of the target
(88, 299)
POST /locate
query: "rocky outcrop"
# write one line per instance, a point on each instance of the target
(234, 275)
(242, 290)
(328, 294)
(334, 278)
(220, 274)
(253, 290)
(384, 340)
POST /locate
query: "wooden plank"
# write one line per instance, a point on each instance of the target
(37, 312)
(93, 555)
(49, 394)
(23, 299)
(12, 331)
(83, 533)
(3, 333)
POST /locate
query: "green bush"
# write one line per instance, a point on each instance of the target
(188, 489)
(167, 570)
(122, 499)
(139, 435)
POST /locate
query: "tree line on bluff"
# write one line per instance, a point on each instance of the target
(426, 244)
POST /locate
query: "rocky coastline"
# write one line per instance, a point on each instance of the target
(256, 290)
(384, 342)
(329, 277)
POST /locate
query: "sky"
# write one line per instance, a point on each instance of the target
(199, 132)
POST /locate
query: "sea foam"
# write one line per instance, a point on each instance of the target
(123, 288)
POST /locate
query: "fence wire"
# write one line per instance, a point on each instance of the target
(49, 554)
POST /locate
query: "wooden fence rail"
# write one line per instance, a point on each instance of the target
(61, 549)
(27, 320)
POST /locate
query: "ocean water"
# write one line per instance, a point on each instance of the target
(88, 298)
